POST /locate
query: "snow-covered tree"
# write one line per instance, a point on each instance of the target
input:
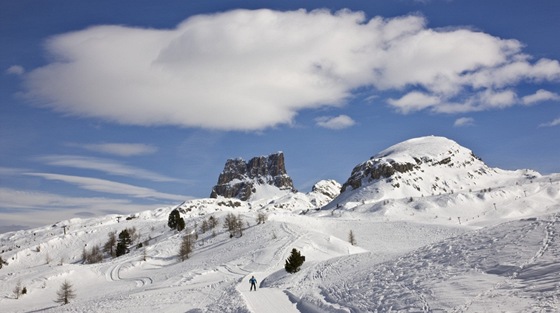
(2, 262)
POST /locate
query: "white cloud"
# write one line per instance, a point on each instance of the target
(249, 70)
(539, 96)
(15, 70)
(414, 101)
(337, 122)
(35, 208)
(111, 187)
(103, 165)
(498, 99)
(555, 122)
(464, 121)
(120, 149)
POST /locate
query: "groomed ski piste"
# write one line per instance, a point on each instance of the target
(476, 249)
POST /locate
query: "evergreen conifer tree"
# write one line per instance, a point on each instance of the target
(175, 221)
(294, 261)
(123, 243)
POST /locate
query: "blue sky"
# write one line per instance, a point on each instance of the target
(122, 106)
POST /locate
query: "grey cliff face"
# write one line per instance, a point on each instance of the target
(374, 170)
(239, 178)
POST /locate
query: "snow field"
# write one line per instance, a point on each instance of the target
(500, 258)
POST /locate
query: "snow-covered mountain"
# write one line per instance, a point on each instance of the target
(436, 229)
(422, 167)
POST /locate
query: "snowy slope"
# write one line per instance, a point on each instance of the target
(493, 248)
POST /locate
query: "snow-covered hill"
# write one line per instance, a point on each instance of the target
(484, 242)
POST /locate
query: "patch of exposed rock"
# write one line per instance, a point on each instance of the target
(239, 178)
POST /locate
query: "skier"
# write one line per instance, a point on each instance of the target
(253, 282)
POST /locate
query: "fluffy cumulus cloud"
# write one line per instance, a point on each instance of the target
(249, 70)
(337, 122)
(539, 96)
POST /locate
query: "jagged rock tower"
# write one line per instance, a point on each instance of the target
(239, 179)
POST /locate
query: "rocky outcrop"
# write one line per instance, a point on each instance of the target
(239, 179)
(329, 188)
(375, 169)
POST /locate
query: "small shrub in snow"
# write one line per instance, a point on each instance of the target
(17, 290)
(261, 218)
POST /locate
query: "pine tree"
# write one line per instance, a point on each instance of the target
(294, 261)
(65, 293)
(186, 247)
(175, 220)
(351, 238)
(123, 243)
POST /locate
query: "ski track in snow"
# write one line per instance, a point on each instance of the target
(269, 299)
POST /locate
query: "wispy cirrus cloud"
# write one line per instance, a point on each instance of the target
(259, 68)
(103, 165)
(32, 208)
(15, 70)
(110, 187)
(336, 122)
(120, 149)
(555, 122)
(464, 121)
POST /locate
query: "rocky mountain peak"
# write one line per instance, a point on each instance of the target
(421, 166)
(239, 179)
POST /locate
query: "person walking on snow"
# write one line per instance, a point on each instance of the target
(253, 282)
